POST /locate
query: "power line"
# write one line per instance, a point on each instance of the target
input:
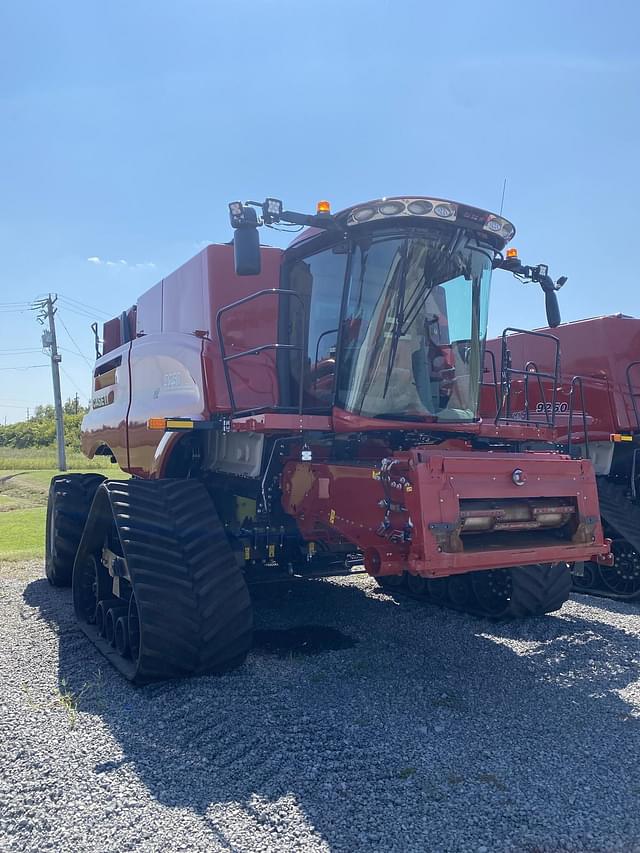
(15, 405)
(74, 383)
(80, 312)
(84, 305)
(71, 338)
(26, 367)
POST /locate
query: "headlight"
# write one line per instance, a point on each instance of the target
(391, 208)
(364, 214)
(443, 210)
(419, 208)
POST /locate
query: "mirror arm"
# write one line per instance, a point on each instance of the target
(540, 275)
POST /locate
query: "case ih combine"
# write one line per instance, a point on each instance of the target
(595, 412)
(300, 411)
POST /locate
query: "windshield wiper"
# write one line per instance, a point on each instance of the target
(399, 319)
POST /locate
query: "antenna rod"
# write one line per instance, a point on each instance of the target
(504, 189)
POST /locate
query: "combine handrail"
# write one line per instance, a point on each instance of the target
(531, 369)
(507, 373)
(633, 394)
(575, 382)
(494, 370)
(255, 350)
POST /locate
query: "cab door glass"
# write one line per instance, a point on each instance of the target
(319, 280)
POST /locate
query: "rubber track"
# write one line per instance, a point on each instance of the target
(621, 513)
(535, 590)
(624, 516)
(70, 497)
(538, 589)
(194, 605)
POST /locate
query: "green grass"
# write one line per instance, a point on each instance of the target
(23, 507)
(22, 533)
(34, 458)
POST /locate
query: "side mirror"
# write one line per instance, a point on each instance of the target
(552, 307)
(246, 240)
(246, 251)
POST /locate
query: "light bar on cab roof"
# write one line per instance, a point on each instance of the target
(432, 208)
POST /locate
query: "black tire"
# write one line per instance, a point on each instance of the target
(190, 612)
(68, 505)
(538, 589)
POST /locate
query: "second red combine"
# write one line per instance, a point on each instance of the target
(297, 412)
(595, 412)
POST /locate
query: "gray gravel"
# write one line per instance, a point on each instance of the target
(434, 732)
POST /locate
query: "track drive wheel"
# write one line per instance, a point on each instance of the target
(538, 589)
(70, 497)
(185, 608)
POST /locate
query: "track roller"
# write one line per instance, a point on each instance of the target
(101, 614)
(70, 497)
(114, 615)
(184, 607)
(121, 635)
(518, 592)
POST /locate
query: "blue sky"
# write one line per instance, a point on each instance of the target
(128, 126)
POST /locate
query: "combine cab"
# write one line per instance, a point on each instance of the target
(594, 410)
(302, 412)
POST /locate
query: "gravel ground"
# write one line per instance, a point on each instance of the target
(424, 730)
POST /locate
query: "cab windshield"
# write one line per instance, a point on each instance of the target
(413, 333)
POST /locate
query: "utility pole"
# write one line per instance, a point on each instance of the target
(76, 403)
(47, 312)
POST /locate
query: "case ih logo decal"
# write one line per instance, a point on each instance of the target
(101, 400)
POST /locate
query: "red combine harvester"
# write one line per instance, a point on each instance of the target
(595, 413)
(302, 412)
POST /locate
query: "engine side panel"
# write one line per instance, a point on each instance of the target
(166, 381)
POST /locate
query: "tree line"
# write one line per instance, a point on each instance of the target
(40, 429)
